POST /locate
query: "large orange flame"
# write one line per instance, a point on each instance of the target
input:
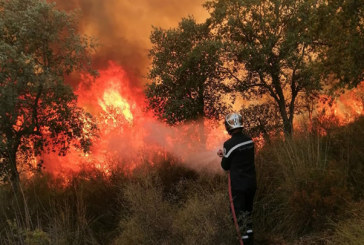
(128, 134)
(112, 100)
(343, 109)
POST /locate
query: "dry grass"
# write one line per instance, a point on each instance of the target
(350, 231)
(310, 191)
(156, 218)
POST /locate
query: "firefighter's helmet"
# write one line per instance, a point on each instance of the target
(233, 121)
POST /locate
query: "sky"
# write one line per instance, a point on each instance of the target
(122, 27)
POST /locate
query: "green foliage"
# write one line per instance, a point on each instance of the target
(20, 235)
(184, 73)
(343, 54)
(37, 237)
(270, 50)
(277, 53)
(150, 217)
(39, 45)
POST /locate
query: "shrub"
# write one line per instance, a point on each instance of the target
(16, 234)
(37, 237)
(83, 210)
(350, 231)
(150, 216)
(155, 216)
(318, 199)
(347, 149)
(299, 190)
(305, 186)
(205, 219)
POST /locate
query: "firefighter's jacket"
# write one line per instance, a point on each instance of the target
(239, 160)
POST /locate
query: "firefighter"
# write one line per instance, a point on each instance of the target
(238, 158)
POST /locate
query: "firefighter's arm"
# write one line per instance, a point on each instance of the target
(225, 163)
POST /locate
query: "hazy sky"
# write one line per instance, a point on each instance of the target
(123, 27)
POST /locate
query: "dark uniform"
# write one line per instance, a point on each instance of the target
(239, 160)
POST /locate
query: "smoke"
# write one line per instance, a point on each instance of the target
(122, 28)
(183, 141)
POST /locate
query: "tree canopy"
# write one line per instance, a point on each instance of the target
(339, 28)
(271, 42)
(184, 73)
(273, 52)
(39, 45)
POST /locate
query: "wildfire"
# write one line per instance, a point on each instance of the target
(344, 109)
(129, 135)
(113, 100)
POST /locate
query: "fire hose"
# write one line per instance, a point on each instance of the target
(233, 211)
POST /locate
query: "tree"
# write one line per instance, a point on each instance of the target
(338, 27)
(261, 119)
(184, 74)
(270, 50)
(286, 49)
(39, 45)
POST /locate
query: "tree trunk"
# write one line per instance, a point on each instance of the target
(287, 127)
(13, 171)
(287, 124)
(280, 99)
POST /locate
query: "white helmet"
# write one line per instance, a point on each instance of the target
(233, 121)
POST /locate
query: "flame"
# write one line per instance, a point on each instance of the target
(112, 99)
(129, 135)
(344, 109)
